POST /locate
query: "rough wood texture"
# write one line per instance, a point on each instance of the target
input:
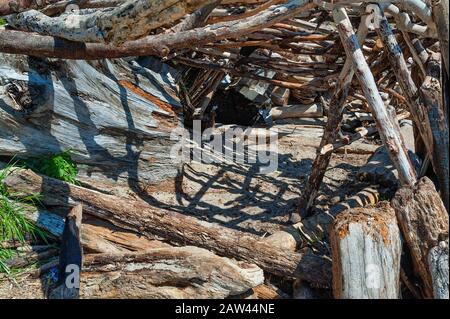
(115, 116)
(331, 132)
(176, 273)
(388, 132)
(296, 111)
(160, 45)
(96, 236)
(175, 227)
(70, 256)
(423, 220)
(13, 6)
(431, 93)
(404, 78)
(366, 249)
(129, 21)
(440, 10)
(438, 262)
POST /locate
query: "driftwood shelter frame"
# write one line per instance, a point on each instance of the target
(131, 28)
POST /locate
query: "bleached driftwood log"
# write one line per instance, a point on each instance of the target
(427, 114)
(423, 220)
(297, 111)
(115, 116)
(174, 227)
(176, 273)
(129, 21)
(330, 135)
(96, 236)
(18, 42)
(366, 249)
(387, 129)
(438, 263)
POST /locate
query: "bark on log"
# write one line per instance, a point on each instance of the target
(176, 273)
(173, 226)
(366, 249)
(423, 220)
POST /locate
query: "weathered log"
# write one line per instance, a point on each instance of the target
(423, 220)
(160, 45)
(129, 21)
(438, 263)
(366, 249)
(70, 256)
(296, 111)
(115, 117)
(30, 258)
(176, 273)
(96, 236)
(173, 226)
(440, 9)
(14, 6)
(197, 18)
(404, 78)
(431, 93)
(393, 141)
(335, 115)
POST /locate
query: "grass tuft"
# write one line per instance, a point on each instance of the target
(59, 166)
(14, 226)
(2, 22)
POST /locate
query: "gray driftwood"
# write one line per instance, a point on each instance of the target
(366, 249)
(116, 117)
(423, 220)
(176, 272)
(174, 227)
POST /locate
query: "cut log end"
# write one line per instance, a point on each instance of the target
(366, 249)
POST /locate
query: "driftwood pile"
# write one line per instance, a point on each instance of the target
(78, 75)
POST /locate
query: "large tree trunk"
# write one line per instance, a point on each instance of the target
(423, 220)
(366, 250)
(176, 272)
(136, 215)
(116, 117)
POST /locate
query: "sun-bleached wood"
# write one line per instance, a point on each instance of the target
(366, 248)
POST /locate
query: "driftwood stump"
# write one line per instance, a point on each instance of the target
(423, 220)
(366, 249)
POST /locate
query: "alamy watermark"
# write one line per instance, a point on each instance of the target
(248, 146)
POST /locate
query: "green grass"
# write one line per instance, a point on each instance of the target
(2, 22)
(13, 224)
(59, 166)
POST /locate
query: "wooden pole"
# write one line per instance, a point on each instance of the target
(330, 135)
(71, 257)
(393, 141)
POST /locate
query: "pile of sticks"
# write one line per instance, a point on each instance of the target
(389, 57)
